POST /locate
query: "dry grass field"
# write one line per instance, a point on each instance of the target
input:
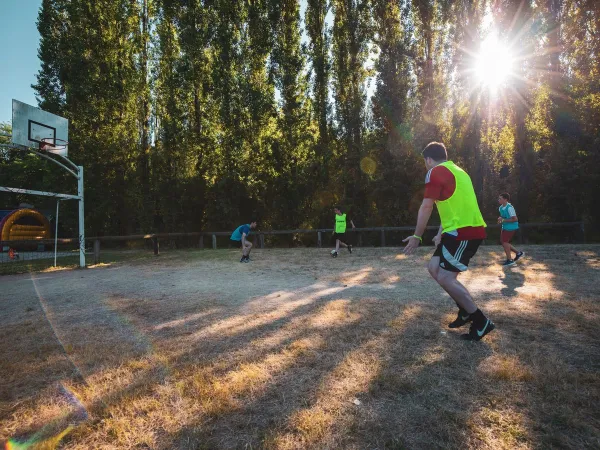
(296, 350)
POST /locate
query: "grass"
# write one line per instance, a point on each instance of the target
(192, 350)
(72, 262)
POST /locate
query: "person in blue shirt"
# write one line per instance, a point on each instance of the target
(510, 224)
(239, 239)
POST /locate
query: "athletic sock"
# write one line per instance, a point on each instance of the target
(478, 318)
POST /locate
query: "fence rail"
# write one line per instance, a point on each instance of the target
(259, 236)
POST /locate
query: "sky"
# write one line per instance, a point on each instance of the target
(20, 63)
(20, 41)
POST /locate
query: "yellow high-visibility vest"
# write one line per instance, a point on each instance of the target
(340, 223)
(461, 209)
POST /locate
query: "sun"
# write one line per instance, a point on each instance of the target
(493, 63)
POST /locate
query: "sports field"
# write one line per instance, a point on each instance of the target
(296, 350)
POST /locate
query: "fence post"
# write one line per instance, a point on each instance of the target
(214, 239)
(262, 240)
(255, 241)
(319, 239)
(201, 242)
(582, 227)
(520, 233)
(96, 251)
(156, 245)
(359, 239)
(383, 238)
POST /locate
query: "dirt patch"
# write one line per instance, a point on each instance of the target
(300, 350)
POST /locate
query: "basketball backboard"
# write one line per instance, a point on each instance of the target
(31, 125)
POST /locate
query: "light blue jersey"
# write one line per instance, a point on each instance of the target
(506, 212)
(237, 234)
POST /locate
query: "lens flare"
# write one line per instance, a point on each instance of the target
(368, 165)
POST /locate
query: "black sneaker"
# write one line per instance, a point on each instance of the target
(508, 263)
(243, 259)
(462, 319)
(350, 248)
(334, 254)
(476, 334)
(519, 255)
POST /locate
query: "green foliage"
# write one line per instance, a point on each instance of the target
(193, 114)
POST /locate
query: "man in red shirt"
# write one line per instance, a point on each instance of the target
(459, 236)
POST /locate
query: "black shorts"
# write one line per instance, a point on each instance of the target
(236, 244)
(454, 254)
(340, 236)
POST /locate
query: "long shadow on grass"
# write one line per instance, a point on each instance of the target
(199, 352)
(512, 280)
(424, 392)
(544, 378)
(297, 405)
(564, 354)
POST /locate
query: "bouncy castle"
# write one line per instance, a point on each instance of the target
(23, 225)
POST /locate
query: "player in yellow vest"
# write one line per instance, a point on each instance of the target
(460, 234)
(339, 233)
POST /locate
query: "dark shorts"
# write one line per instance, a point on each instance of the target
(340, 236)
(506, 236)
(454, 254)
(236, 244)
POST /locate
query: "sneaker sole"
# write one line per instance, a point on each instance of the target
(450, 325)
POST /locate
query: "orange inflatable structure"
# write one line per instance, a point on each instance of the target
(24, 225)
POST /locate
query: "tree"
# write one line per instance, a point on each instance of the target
(351, 33)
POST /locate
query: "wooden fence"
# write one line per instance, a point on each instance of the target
(258, 237)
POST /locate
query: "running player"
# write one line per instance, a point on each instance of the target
(340, 231)
(238, 239)
(460, 234)
(510, 224)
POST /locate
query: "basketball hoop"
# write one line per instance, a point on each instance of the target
(54, 145)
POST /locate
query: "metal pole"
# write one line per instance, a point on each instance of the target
(81, 218)
(56, 232)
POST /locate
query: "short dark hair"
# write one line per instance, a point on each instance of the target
(253, 221)
(436, 151)
(505, 195)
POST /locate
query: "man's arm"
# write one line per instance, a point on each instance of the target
(352, 223)
(512, 219)
(243, 239)
(438, 237)
(424, 214)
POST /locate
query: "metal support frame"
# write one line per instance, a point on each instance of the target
(56, 232)
(77, 172)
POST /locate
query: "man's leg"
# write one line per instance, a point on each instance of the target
(481, 325)
(463, 317)
(513, 249)
(459, 293)
(247, 248)
(434, 270)
(454, 258)
(434, 267)
(507, 248)
(337, 245)
(343, 244)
